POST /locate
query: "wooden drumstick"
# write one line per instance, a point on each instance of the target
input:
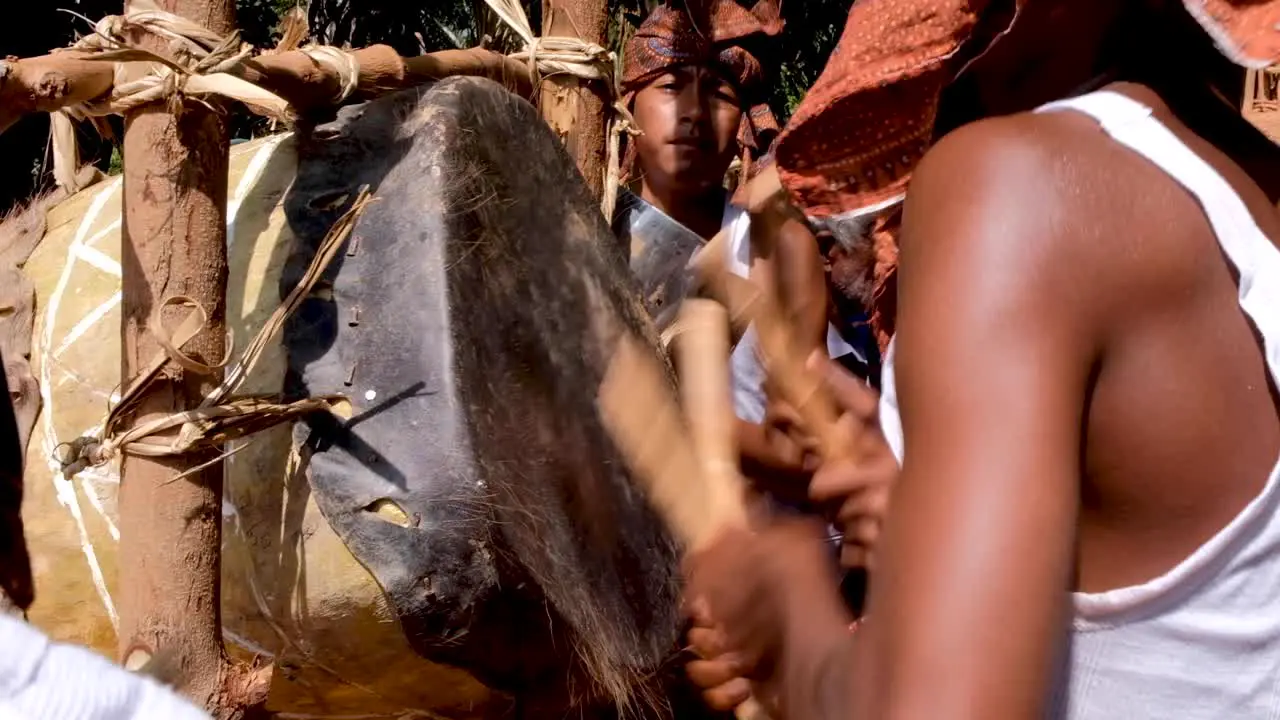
(769, 207)
(736, 294)
(641, 414)
(702, 355)
(785, 364)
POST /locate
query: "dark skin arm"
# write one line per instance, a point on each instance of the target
(996, 338)
(794, 264)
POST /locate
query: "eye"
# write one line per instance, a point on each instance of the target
(725, 92)
(669, 83)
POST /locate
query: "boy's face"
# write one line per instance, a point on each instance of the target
(690, 119)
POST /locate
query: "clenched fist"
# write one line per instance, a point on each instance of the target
(855, 490)
(763, 603)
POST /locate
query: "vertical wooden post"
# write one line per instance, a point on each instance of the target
(174, 243)
(578, 110)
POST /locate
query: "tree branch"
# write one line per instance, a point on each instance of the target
(52, 82)
(49, 83)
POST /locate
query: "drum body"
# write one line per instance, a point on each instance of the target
(470, 320)
(467, 509)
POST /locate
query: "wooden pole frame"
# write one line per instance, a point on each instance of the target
(578, 110)
(174, 243)
(52, 82)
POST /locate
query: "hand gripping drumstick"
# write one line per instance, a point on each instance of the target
(696, 500)
(702, 354)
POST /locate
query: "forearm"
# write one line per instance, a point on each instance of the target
(805, 307)
(802, 286)
(816, 668)
(833, 690)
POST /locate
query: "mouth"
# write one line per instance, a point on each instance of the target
(694, 143)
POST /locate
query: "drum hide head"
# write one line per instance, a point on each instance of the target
(469, 320)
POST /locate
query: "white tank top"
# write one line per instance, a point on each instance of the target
(744, 363)
(1202, 641)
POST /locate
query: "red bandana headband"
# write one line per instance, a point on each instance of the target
(709, 32)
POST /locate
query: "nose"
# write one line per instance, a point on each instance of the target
(694, 101)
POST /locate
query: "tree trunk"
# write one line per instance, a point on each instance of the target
(577, 110)
(174, 243)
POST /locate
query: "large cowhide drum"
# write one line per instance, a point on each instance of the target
(466, 510)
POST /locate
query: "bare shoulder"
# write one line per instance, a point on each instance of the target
(1045, 207)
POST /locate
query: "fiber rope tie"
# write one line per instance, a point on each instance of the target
(586, 61)
(196, 62)
(221, 416)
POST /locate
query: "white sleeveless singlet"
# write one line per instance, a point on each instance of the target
(744, 362)
(1201, 641)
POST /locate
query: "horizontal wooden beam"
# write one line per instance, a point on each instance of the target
(52, 82)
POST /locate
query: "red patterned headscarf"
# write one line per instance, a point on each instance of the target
(709, 33)
(851, 146)
(868, 120)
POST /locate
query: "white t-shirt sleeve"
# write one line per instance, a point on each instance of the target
(44, 680)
